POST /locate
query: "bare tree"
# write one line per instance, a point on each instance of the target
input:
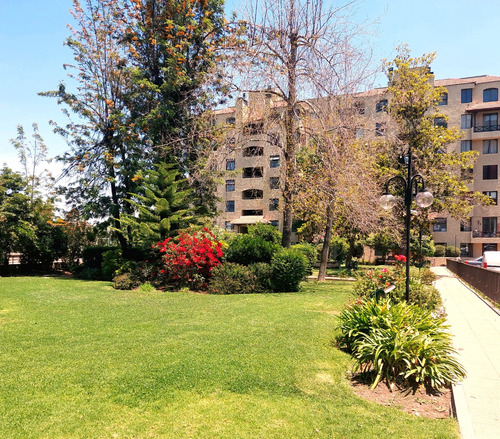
(337, 184)
(297, 49)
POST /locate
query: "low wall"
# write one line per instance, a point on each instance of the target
(482, 279)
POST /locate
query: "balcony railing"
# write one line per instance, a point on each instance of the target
(478, 234)
(485, 128)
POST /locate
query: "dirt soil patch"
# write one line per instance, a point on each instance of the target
(417, 402)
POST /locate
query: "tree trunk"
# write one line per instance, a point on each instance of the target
(291, 133)
(350, 252)
(325, 251)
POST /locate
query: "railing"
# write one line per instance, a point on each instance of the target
(478, 234)
(485, 128)
(485, 280)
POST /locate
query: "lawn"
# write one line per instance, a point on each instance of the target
(81, 360)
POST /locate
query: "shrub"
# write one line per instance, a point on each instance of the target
(111, 261)
(146, 287)
(263, 273)
(426, 276)
(93, 256)
(310, 252)
(247, 249)
(424, 296)
(399, 343)
(230, 278)
(86, 273)
(440, 251)
(124, 282)
(452, 251)
(339, 248)
(422, 293)
(188, 259)
(288, 268)
(267, 232)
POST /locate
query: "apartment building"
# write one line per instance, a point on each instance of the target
(251, 162)
(252, 165)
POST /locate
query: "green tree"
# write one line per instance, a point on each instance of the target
(105, 150)
(141, 70)
(32, 154)
(161, 207)
(174, 49)
(14, 211)
(384, 241)
(413, 107)
(26, 223)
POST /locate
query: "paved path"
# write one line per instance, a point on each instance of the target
(476, 328)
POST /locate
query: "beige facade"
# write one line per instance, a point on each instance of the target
(251, 163)
(472, 105)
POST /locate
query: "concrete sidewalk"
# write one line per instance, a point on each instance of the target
(476, 330)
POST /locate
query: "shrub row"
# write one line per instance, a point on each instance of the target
(287, 269)
(422, 292)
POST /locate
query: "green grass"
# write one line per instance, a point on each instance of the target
(81, 360)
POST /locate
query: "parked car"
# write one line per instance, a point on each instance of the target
(491, 259)
(478, 261)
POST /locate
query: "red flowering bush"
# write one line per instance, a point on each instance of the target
(400, 258)
(188, 259)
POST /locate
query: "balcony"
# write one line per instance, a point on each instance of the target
(479, 237)
(486, 128)
(478, 234)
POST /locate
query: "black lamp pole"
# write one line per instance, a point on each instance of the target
(423, 198)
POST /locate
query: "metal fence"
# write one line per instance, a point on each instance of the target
(482, 279)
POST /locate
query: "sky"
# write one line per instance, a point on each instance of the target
(463, 33)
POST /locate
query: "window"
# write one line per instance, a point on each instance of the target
(252, 151)
(380, 128)
(253, 172)
(490, 146)
(490, 95)
(230, 186)
(490, 172)
(465, 145)
(229, 226)
(274, 183)
(230, 120)
(252, 194)
(465, 249)
(360, 107)
(230, 206)
(440, 122)
(381, 105)
(273, 204)
(275, 223)
(493, 195)
(253, 129)
(466, 95)
(274, 161)
(252, 212)
(443, 100)
(439, 225)
(489, 227)
(466, 121)
(489, 247)
(490, 122)
(274, 139)
(465, 225)
(230, 164)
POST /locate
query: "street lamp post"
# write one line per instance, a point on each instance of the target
(423, 198)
